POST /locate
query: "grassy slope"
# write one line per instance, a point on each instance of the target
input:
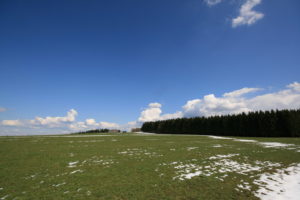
(37, 167)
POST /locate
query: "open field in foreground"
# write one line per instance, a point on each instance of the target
(149, 167)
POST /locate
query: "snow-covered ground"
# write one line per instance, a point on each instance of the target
(282, 185)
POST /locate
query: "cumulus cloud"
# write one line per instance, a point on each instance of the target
(235, 102)
(11, 123)
(288, 98)
(247, 16)
(2, 109)
(109, 125)
(212, 2)
(151, 113)
(55, 121)
(212, 105)
(92, 124)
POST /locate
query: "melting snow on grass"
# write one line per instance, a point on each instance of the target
(219, 166)
(95, 160)
(217, 146)
(283, 184)
(60, 184)
(72, 164)
(4, 197)
(76, 171)
(223, 156)
(274, 144)
(244, 140)
(264, 144)
(191, 148)
(219, 137)
(139, 152)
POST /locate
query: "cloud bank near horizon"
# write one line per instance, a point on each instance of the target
(233, 102)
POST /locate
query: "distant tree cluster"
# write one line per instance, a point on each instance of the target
(283, 123)
(93, 131)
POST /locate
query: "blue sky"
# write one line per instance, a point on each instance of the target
(108, 60)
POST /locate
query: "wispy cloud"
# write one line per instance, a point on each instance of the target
(247, 16)
(212, 2)
(2, 109)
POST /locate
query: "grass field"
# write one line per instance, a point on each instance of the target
(145, 167)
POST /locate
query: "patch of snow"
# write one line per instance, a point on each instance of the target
(219, 137)
(190, 175)
(264, 144)
(244, 187)
(4, 197)
(217, 146)
(191, 148)
(72, 136)
(76, 171)
(139, 152)
(243, 140)
(72, 164)
(60, 184)
(274, 144)
(218, 165)
(283, 184)
(223, 156)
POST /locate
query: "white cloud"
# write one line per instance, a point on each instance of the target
(154, 105)
(55, 121)
(151, 113)
(294, 86)
(247, 16)
(175, 115)
(91, 122)
(284, 99)
(240, 92)
(109, 125)
(11, 123)
(2, 109)
(212, 2)
(78, 126)
(234, 102)
(211, 105)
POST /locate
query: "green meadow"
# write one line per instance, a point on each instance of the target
(133, 166)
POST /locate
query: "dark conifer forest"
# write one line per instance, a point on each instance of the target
(283, 123)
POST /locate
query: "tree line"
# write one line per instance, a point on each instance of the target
(279, 123)
(93, 131)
